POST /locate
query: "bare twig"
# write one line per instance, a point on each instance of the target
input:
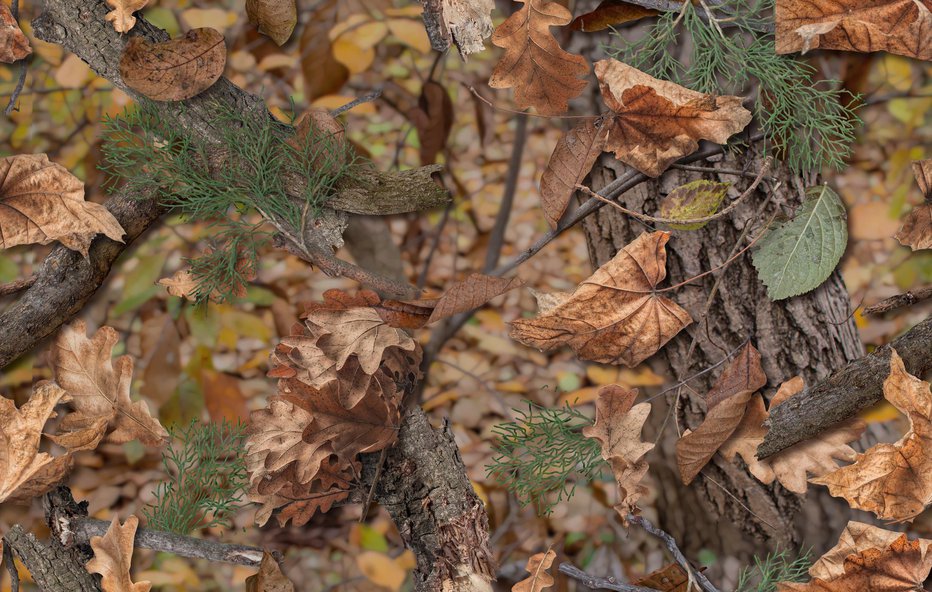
(497, 237)
(678, 556)
(20, 83)
(11, 568)
(366, 98)
(900, 300)
(17, 285)
(597, 583)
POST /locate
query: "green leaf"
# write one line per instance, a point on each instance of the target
(796, 256)
(696, 199)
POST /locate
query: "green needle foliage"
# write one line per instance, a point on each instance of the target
(810, 122)
(226, 184)
(544, 451)
(208, 478)
(776, 567)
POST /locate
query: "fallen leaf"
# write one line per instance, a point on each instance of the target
(671, 578)
(657, 122)
(100, 387)
(916, 231)
(360, 332)
(540, 578)
(174, 70)
(382, 570)
(323, 74)
(469, 22)
(616, 316)
(113, 554)
(610, 13)
(433, 119)
(894, 481)
(41, 202)
(122, 14)
(181, 284)
(726, 401)
(275, 18)
(696, 199)
(14, 45)
(543, 75)
(896, 26)
(269, 578)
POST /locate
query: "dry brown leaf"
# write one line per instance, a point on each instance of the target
(323, 74)
(543, 75)
(41, 202)
(896, 26)
(856, 537)
(14, 45)
(122, 14)
(433, 119)
(922, 169)
(100, 387)
(571, 161)
(727, 401)
(181, 284)
(113, 554)
(269, 577)
(657, 122)
(174, 70)
(358, 331)
(298, 502)
(610, 13)
(793, 466)
(894, 481)
(540, 578)
(471, 293)
(276, 441)
(916, 231)
(469, 22)
(275, 18)
(672, 578)
(615, 316)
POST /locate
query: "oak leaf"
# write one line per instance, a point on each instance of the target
(181, 284)
(894, 481)
(299, 502)
(896, 26)
(616, 316)
(113, 554)
(543, 75)
(657, 122)
(14, 45)
(41, 202)
(100, 386)
(276, 440)
(540, 578)
(174, 70)
(791, 467)
(358, 331)
(122, 14)
(269, 578)
(726, 402)
(916, 231)
(275, 18)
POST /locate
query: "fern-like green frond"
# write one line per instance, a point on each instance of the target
(776, 567)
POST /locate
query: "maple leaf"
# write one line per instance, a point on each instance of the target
(41, 202)
(916, 231)
(726, 401)
(657, 122)
(122, 14)
(113, 554)
(275, 18)
(897, 26)
(791, 467)
(543, 75)
(174, 70)
(100, 386)
(615, 316)
(540, 578)
(14, 45)
(894, 481)
(269, 578)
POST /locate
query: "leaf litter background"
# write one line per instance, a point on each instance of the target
(212, 366)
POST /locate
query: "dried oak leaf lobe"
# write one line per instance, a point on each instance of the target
(894, 481)
(896, 26)
(41, 202)
(177, 69)
(122, 14)
(657, 122)
(726, 401)
(14, 45)
(916, 231)
(540, 578)
(615, 316)
(269, 578)
(543, 75)
(113, 554)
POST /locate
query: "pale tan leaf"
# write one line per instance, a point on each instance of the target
(615, 316)
(360, 332)
(856, 537)
(275, 18)
(618, 423)
(543, 75)
(100, 386)
(540, 578)
(181, 284)
(174, 70)
(41, 202)
(276, 441)
(571, 161)
(269, 577)
(658, 122)
(470, 294)
(113, 554)
(14, 45)
(897, 26)
(122, 14)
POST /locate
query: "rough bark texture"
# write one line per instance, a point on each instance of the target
(53, 568)
(809, 335)
(846, 392)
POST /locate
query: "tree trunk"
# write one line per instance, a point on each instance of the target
(809, 335)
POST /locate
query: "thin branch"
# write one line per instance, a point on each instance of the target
(20, 83)
(11, 568)
(597, 583)
(366, 98)
(899, 301)
(17, 285)
(678, 556)
(497, 237)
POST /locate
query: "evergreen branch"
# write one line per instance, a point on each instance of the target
(776, 567)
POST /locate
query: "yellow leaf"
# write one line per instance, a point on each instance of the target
(73, 73)
(355, 58)
(334, 101)
(880, 413)
(411, 33)
(195, 18)
(382, 570)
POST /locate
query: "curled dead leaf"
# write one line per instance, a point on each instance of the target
(113, 554)
(540, 578)
(14, 45)
(122, 14)
(610, 13)
(177, 69)
(275, 18)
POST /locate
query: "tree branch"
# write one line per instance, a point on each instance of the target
(900, 300)
(670, 544)
(596, 583)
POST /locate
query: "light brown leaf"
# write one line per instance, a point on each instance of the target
(299, 502)
(922, 169)
(894, 481)
(323, 74)
(14, 45)
(916, 231)
(671, 578)
(471, 293)
(181, 284)
(269, 577)
(276, 441)
(275, 18)
(174, 70)
(543, 75)
(727, 401)
(615, 316)
(100, 387)
(433, 119)
(360, 332)
(41, 202)
(610, 13)
(540, 578)
(658, 122)
(113, 554)
(856, 537)
(896, 26)
(571, 161)
(122, 14)
(470, 23)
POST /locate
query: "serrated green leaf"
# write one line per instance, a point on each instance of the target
(796, 256)
(696, 199)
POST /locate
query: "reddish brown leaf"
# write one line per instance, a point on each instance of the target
(540, 578)
(916, 231)
(433, 119)
(672, 578)
(14, 45)
(174, 70)
(269, 578)
(323, 74)
(610, 13)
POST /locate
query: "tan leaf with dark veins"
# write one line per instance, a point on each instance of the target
(177, 69)
(916, 231)
(113, 554)
(357, 331)
(540, 578)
